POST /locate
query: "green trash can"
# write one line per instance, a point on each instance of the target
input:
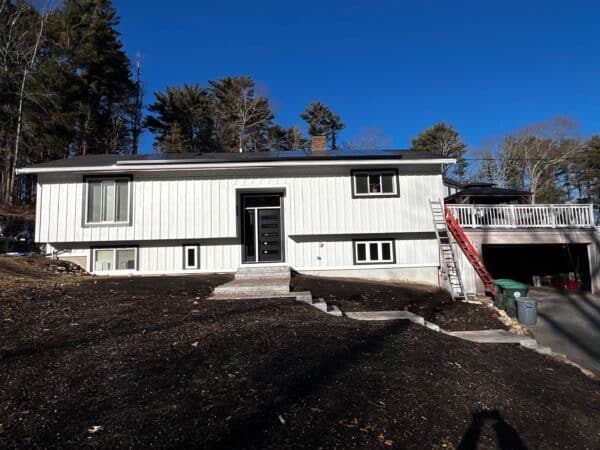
(509, 290)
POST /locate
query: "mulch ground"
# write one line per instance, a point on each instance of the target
(148, 362)
(433, 303)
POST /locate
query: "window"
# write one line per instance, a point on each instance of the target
(373, 252)
(110, 259)
(375, 183)
(190, 255)
(108, 200)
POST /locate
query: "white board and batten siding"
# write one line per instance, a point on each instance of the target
(320, 216)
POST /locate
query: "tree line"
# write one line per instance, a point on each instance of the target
(548, 158)
(228, 115)
(68, 88)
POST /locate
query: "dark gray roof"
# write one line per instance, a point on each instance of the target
(207, 158)
(486, 190)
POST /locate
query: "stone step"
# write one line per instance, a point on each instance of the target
(265, 287)
(320, 304)
(262, 272)
(493, 336)
(300, 296)
(334, 311)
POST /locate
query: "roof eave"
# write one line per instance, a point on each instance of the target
(117, 168)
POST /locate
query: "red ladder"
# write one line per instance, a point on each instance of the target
(470, 252)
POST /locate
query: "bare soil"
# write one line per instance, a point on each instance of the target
(149, 362)
(433, 303)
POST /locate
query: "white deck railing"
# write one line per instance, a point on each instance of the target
(524, 216)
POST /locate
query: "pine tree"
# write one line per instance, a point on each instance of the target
(587, 170)
(295, 139)
(322, 122)
(99, 73)
(192, 109)
(174, 141)
(443, 139)
(283, 139)
(244, 119)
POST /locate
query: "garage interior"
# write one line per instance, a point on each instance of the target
(522, 262)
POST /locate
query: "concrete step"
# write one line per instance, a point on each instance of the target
(320, 304)
(265, 287)
(493, 336)
(334, 311)
(299, 296)
(261, 272)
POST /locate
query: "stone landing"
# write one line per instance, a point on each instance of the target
(259, 282)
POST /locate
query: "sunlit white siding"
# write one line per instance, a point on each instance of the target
(171, 206)
(320, 219)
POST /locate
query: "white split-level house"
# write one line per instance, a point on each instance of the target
(343, 213)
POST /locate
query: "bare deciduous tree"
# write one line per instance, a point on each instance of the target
(541, 148)
(369, 138)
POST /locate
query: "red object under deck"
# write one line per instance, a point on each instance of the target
(469, 250)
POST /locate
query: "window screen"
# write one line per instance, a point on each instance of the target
(108, 201)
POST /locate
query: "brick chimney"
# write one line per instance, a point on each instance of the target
(318, 144)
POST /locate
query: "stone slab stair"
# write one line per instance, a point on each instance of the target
(267, 282)
(258, 282)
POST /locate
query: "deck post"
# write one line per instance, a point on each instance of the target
(552, 216)
(513, 216)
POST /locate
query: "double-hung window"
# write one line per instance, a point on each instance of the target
(374, 252)
(375, 183)
(107, 200)
(111, 259)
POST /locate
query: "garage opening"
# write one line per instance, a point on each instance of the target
(551, 262)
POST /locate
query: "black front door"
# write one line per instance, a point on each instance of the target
(261, 237)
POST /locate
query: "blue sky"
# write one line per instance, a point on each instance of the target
(486, 67)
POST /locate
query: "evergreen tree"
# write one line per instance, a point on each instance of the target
(99, 76)
(174, 141)
(283, 139)
(295, 139)
(322, 122)
(587, 170)
(244, 119)
(192, 109)
(443, 139)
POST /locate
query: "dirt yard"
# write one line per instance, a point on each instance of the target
(435, 304)
(148, 362)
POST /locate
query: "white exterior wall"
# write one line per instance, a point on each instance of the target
(320, 217)
(196, 206)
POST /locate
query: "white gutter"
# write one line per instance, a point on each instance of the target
(153, 167)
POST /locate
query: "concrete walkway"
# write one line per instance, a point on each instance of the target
(570, 324)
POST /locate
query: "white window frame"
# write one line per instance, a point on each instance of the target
(87, 200)
(392, 172)
(114, 260)
(379, 243)
(196, 264)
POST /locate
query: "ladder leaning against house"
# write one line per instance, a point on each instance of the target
(446, 250)
(470, 252)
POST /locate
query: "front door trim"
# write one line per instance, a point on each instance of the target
(240, 194)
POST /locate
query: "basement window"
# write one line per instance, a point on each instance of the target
(107, 200)
(190, 257)
(114, 259)
(374, 252)
(375, 183)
